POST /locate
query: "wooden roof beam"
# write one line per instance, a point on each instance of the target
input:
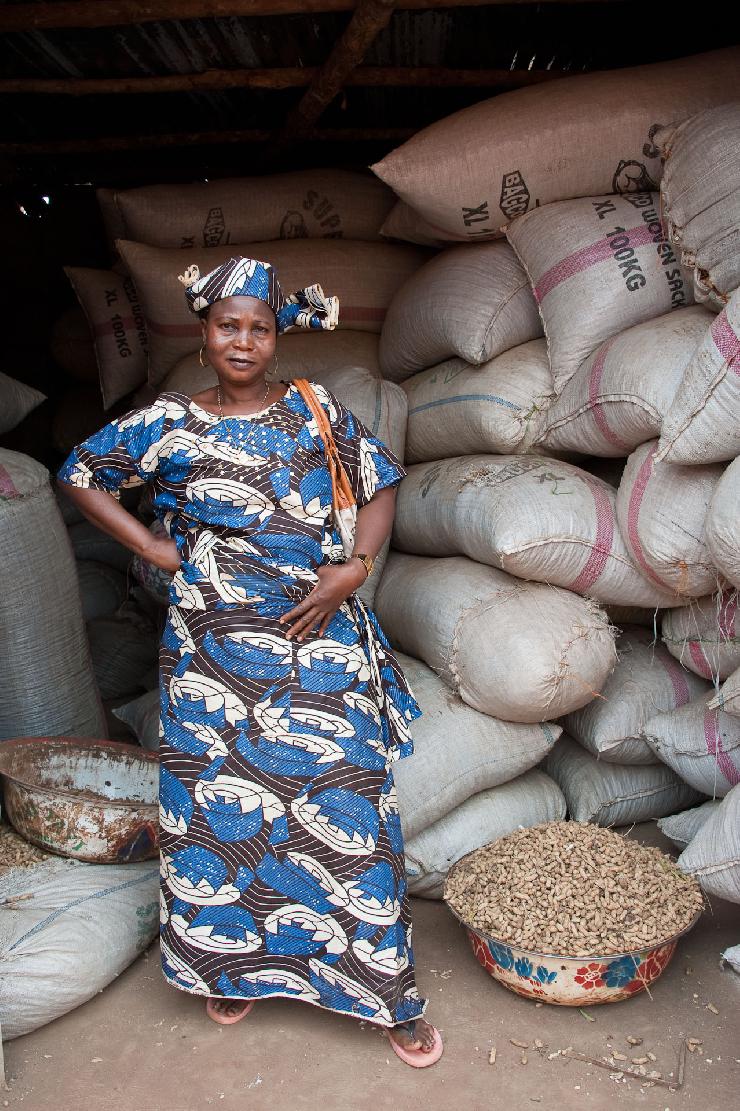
(43, 16)
(103, 145)
(287, 77)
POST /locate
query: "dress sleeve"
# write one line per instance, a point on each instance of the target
(123, 453)
(370, 465)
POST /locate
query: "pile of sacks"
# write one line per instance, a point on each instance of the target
(314, 226)
(572, 451)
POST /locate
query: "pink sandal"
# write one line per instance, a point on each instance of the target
(417, 1058)
(226, 1020)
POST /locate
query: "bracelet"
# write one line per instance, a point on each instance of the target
(367, 560)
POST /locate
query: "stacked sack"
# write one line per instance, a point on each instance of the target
(509, 548)
(314, 226)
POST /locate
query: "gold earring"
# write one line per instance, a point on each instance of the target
(200, 357)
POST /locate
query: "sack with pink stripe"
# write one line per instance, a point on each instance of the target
(365, 277)
(703, 423)
(474, 302)
(111, 304)
(597, 266)
(701, 197)
(713, 856)
(662, 510)
(646, 679)
(723, 524)
(705, 636)
(702, 745)
(618, 397)
(728, 699)
(535, 518)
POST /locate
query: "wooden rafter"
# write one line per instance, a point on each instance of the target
(367, 21)
(44, 16)
(287, 77)
(104, 144)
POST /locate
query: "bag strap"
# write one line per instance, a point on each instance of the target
(342, 494)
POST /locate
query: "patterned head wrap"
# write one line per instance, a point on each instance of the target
(247, 277)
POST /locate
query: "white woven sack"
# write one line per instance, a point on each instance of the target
(458, 751)
(17, 400)
(124, 650)
(705, 635)
(728, 698)
(702, 425)
(474, 302)
(682, 828)
(89, 542)
(713, 856)
(48, 684)
(597, 266)
(615, 794)
(701, 196)
(304, 204)
(102, 588)
(66, 930)
(459, 409)
(141, 715)
(618, 397)
(516, 650)
(529, 800)
(474, 170)
(316, 355)
(723, 524)
(700, 744)
(567, 536)
(662, 510)
(404, 223)
(646, 679)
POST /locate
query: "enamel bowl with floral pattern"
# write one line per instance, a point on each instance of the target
(573, 981)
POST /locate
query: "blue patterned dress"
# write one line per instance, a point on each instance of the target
(282, 869)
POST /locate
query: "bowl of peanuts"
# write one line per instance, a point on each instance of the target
(572, 914)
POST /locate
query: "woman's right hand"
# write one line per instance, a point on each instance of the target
(163, 552)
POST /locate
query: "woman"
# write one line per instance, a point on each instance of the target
(282, 705)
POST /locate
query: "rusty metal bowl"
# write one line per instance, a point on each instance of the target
(90, 800)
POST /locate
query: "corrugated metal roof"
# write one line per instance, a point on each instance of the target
(561, 37)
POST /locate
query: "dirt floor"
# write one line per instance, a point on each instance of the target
(141, 1046)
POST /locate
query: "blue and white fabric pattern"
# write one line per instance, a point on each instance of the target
(282, 868)
(248, 277)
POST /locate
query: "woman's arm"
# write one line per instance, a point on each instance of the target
(109, 515)
(338, 580)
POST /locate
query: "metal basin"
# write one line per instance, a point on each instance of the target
(91, 800)
(569, 981)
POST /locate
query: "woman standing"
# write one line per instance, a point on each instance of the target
(282, 705)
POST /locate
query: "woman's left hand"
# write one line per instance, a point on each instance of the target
(336, 582)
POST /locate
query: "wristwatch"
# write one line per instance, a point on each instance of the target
(366, 559)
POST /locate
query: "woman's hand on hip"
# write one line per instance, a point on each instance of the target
(336, 582)
(162, 552)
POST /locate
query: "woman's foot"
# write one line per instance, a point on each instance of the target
(418, 1043)
(227, 1011)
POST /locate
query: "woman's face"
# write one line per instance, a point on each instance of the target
(240, 335)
